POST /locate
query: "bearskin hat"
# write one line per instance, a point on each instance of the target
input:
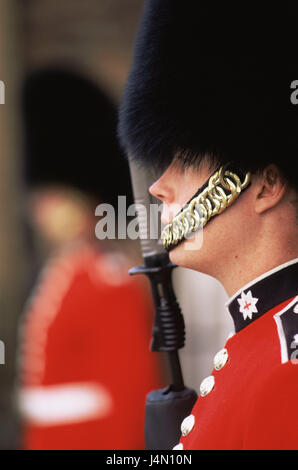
(213, 78)
(70, 135)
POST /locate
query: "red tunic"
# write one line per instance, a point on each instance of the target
(85, 360)
(251, 399)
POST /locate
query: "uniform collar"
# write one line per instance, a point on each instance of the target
(263, 293)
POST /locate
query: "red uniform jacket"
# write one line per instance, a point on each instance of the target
(86, 364)
(250, 400)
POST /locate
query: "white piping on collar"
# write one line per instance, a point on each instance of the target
(281, 333)
(257, 279)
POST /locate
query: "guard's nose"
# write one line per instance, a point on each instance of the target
(159, 191)
(162, 190)
(166, 194)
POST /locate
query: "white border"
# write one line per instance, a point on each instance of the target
(281, 333)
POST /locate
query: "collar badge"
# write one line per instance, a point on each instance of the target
(247, 305)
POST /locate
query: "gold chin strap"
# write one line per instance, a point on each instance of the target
(222, 190)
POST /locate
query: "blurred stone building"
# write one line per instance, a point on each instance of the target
(96, 36)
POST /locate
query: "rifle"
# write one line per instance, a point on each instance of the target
(165, 408)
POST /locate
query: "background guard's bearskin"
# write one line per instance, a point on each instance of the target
(70, 135)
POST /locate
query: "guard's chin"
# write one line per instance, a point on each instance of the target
(181, 257)
(188, 253)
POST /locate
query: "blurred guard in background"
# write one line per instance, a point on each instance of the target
(85, 365)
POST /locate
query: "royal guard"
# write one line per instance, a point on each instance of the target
(85, 363)
(210, 107)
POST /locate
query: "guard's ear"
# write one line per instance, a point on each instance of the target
(270, 189)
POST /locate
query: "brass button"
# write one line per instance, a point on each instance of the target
(207, 385)
(220, 359)
(187, 425)
(178, 447)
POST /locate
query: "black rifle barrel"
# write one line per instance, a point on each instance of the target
(169, 329)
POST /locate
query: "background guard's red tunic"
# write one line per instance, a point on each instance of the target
(85, 360)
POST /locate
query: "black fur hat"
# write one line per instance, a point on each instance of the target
(70, 135)
(213, 78)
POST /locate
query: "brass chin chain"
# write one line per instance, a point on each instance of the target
(222, 190)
